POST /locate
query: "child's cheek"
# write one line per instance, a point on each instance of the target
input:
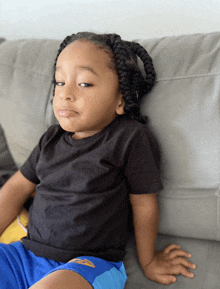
(81, 104)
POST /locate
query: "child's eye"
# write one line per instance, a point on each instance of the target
(83, 84)
(60, 83)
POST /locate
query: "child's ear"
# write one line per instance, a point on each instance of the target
(120, 106)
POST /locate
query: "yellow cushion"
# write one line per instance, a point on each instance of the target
(15, 231)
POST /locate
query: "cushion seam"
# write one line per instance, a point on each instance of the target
(188, 77)
(20, 67)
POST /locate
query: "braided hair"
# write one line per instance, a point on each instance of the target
(123, 54)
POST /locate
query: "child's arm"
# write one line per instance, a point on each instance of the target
(157, 266)
(12, 197)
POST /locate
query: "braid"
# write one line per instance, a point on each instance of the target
(148, 65)
(123, 54)
(132, 83)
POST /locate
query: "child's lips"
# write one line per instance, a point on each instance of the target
(67, 112)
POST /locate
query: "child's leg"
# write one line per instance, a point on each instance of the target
(63, 279)
(85, 273)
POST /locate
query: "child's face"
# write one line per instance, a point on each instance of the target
(87, 96)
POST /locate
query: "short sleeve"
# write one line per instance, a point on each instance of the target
(141, 171)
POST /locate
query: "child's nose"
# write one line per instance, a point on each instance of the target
(68, 93)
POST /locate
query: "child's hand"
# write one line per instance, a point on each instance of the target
(168, 263)
(23, 218)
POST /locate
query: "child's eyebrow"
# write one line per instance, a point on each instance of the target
(89, 69)
(82, 67)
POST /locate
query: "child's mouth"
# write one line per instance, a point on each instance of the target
(67, 112)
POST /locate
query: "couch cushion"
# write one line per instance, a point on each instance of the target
(7, 165)
(205, 254)
(184, 111)
(25, 93)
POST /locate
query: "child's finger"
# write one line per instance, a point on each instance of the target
(183, 262)
(169, 248)
(179, 270)
(178, 253)
(165, 279)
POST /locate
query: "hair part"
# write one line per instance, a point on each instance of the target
(123, 59)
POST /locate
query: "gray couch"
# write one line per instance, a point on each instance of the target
(184, 114)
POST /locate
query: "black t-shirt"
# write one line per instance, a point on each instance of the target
(82, 203)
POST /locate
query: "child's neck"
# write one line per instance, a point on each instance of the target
(80, 135)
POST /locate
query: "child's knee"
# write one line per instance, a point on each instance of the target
(62, 279)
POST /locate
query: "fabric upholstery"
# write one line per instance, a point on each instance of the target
(184, 112)
(205, 254)
(25, 93)
(7, 165)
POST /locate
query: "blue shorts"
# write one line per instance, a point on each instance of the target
(20, 268)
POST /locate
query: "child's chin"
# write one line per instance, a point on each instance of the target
(67, 128)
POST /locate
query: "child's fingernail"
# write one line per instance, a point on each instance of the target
(191, 275)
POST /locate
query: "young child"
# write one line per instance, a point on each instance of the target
(89, 171)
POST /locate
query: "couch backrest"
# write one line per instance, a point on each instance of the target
(25, 93)
(184, 114)
(184, 111)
